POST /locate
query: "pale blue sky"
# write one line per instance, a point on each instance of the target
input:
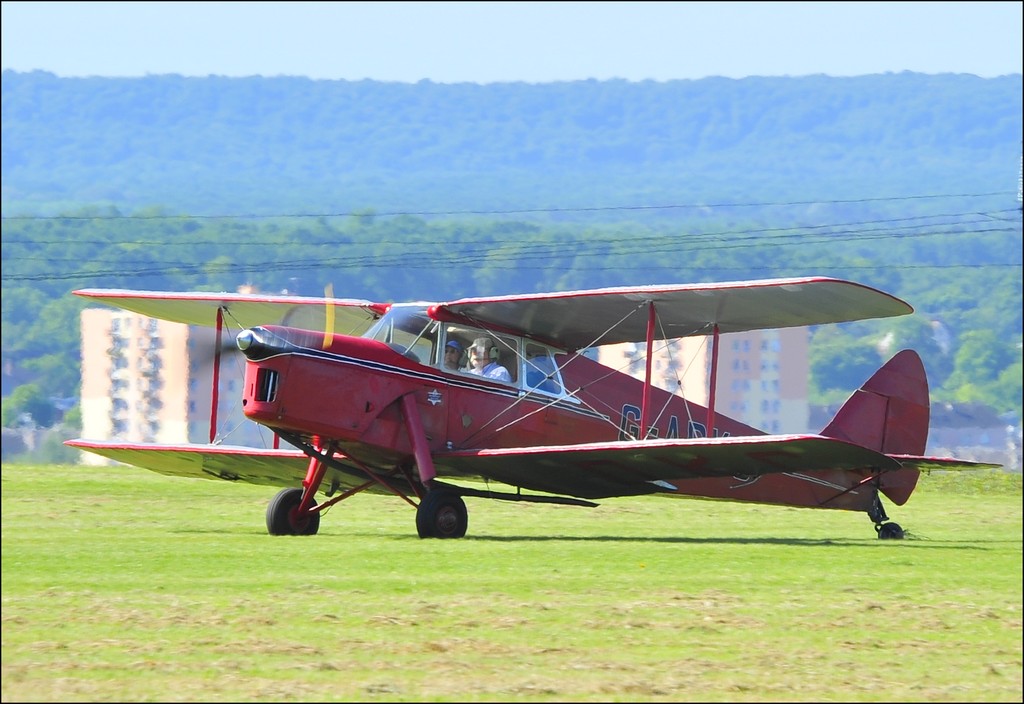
(487, 42)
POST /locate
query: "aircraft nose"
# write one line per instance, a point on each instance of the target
(257, 343)
(245, 340)
(261, 342)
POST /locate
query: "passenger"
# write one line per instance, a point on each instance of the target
(483, 360)
(452, 354)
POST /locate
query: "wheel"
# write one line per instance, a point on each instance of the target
(281, 518)
(442, 514)
(890, 531)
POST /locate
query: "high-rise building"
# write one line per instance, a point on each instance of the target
(762, 374)
(148, 380)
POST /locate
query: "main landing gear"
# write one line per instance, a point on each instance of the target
(441, 514)
(886, 531)
(440, 511)
(283, 516)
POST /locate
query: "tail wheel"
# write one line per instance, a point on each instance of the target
(283, 518)
(442, 514)
(889, 531)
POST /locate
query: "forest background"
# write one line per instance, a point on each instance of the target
(907, 182)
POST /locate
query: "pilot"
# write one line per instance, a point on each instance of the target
(452, 354)
(483, 360)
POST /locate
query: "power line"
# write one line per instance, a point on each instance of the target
(433, 253)
(670, 243)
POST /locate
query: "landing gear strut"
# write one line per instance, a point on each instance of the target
(886, 531)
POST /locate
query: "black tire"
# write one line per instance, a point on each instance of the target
(442, 514)
(890, 531)
(281, 518)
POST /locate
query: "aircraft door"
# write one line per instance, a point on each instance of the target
(482, 389)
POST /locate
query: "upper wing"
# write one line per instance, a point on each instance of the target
(600, 470)
(349, 316)
(577, 319)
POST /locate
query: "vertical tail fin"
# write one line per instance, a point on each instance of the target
(890, 414)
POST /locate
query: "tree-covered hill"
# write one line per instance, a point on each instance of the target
(272, 145)
(389, 191)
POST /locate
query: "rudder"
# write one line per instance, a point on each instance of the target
(890, 413)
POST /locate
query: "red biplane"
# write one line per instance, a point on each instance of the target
(362, 390)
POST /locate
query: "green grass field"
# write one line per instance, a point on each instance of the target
(123, 585)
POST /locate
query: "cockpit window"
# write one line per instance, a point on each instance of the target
(499, 350)
(540, 371)
(409, 331)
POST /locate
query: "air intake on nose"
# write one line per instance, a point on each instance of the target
(266, 385)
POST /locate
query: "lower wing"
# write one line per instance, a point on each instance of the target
(594, 470)
(601, 470)
(232, 463)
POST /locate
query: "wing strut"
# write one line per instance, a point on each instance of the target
(216, 374)
(712, 382)
(646, 405)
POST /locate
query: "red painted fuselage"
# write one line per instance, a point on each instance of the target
(349, 391)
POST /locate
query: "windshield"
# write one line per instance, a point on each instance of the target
(407, 330)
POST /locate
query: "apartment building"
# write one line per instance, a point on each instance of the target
(148, 380)
(762, 374)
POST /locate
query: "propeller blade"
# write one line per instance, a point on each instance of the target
(328, 316)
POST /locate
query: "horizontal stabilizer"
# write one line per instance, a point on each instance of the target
(943, 464)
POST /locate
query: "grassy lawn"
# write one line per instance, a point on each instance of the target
(124, 585)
